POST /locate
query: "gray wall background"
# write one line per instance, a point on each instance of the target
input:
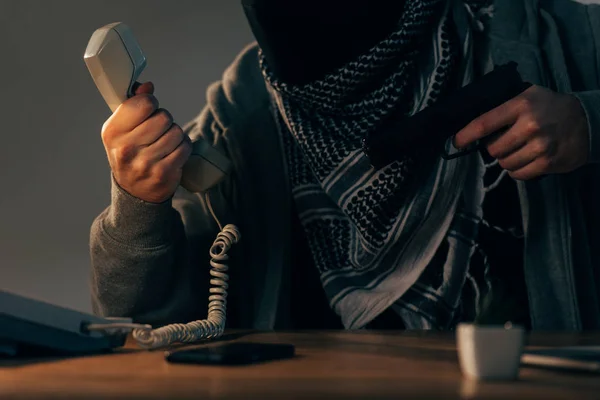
(54, 175)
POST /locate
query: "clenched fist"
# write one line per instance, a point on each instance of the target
(146, 150)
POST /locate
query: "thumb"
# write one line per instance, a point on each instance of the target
(143, 88)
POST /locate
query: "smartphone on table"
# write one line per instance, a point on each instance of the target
(237, 353)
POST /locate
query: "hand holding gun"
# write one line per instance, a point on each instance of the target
(532, 131)
(434, 125)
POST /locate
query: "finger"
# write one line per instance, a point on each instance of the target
(538, 167)
(143, 88)
(165, 144)
(151, 129)
(520, 158)
(132, 112)
(488, 123)
(180, 155)
(510, 141)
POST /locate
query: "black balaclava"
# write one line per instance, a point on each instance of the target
(302, 40)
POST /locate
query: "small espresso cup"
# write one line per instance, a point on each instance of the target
(490, 352)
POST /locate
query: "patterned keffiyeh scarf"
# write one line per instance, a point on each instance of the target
(371, 235)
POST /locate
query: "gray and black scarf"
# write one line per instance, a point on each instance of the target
(371, 236)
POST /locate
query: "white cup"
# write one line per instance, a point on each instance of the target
(490, 352)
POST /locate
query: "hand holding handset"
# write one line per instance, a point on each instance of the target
(115, 61)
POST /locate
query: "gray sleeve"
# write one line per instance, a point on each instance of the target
(150, 262)
(139, 253)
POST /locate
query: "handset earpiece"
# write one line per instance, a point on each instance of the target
(115, 61)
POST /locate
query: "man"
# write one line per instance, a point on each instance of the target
(329, 241)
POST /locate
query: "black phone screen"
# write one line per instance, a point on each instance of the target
(238, 353)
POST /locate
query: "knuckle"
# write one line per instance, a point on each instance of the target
(540, 145)
(124, 153)
(524, 104)
(142, 166)
(108, 132)
(176, 134)
(147, 103)
(106, 126)
(164, 117)
(177, 130)
(532, 126)
(161, 176)
(479, 127)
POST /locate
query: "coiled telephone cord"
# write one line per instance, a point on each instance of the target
(209, 328)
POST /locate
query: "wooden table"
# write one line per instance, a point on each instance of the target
(363, 364)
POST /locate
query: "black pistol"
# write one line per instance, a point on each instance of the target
(430, 128)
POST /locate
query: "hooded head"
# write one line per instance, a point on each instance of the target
(302, 40)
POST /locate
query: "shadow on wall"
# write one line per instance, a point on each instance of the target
(54, 173)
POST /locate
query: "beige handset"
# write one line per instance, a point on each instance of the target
(115, 61)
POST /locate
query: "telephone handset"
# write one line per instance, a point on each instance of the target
(115, 61)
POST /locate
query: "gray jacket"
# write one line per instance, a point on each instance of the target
(150, 261)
